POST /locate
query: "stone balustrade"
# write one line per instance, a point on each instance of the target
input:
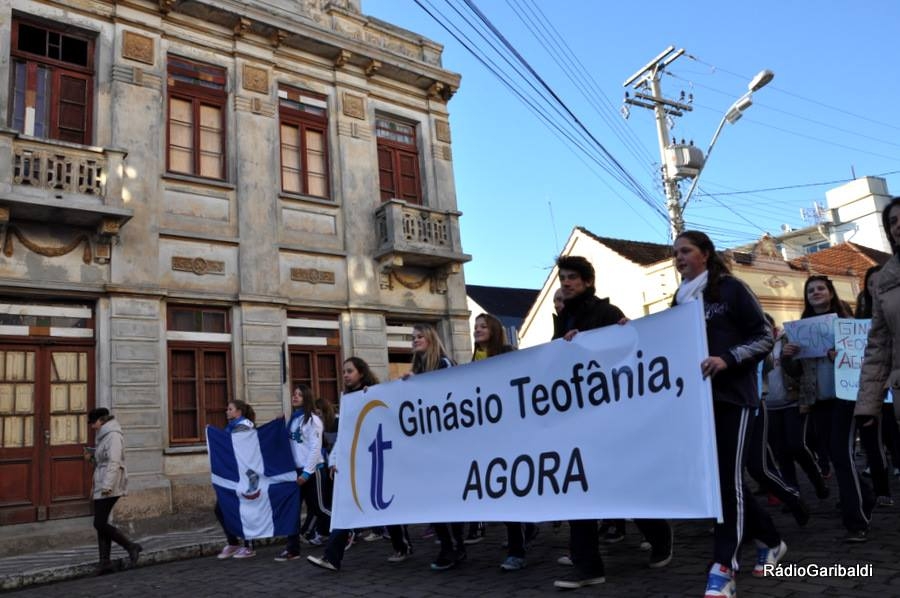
(418, 235)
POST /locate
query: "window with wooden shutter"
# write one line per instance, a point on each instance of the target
(52, 81)
(398, 160)
(196, 120)
(315, 354)
(303, 117)
(199, 345)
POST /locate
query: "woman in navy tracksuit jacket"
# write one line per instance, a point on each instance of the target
(739, 338)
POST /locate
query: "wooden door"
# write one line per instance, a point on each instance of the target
(45, 394)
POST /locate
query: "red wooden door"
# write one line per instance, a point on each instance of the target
(45, 394)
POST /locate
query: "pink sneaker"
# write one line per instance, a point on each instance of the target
(228, 552)
(244, 553)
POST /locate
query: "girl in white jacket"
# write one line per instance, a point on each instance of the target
(305, 429)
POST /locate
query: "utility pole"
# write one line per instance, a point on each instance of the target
(678, 161)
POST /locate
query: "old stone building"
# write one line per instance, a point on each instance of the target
(203, 200)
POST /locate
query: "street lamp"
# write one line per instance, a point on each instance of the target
(732, 115)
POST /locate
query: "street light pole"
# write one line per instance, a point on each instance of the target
(648, 78)
(680, 161)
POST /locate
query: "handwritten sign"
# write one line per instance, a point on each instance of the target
(850, 343)
(814, 335)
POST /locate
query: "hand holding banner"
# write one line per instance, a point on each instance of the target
(616, 423)
(814, 335)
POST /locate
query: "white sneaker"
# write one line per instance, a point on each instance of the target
(720, 582)
(371, 537)
(398, 557)
(767, 556)
(244, 553)
(565, 561)
(321, 562)
(228, 552)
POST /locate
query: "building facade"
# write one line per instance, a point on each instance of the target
(200, 201)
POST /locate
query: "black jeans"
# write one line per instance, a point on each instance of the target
(102, 509)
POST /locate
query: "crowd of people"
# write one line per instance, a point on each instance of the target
(772, 409)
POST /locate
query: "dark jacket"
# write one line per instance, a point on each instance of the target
(585, 312)
(736, 331)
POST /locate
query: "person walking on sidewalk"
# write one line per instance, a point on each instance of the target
(110, 483)
(583, 310)
(241, 418)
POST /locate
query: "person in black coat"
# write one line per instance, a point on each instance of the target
(582, 311)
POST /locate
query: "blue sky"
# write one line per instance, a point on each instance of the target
(830, 111)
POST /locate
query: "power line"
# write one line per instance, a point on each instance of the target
(798, 96)
(791, 114)
(555, 127)
(636, 186)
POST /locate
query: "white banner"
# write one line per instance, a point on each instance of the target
(814, 335)
(616, 423)
(850, 339)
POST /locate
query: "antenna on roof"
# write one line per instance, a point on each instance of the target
(557, 249)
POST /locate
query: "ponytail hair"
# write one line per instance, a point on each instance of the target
(245, 409)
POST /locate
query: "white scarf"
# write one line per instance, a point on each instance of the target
(691, 289)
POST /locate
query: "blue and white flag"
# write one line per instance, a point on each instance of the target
(255, 480)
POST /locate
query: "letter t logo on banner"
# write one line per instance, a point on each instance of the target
(377, 448)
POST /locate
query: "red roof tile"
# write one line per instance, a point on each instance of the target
(846, 258)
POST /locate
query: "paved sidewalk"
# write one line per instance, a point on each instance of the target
(81, 561)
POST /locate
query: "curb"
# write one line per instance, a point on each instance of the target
(24, 579)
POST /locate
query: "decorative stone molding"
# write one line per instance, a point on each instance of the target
(277, 38)
(255, 79)
(775, 282)
(442, 130)
(312, 275)
(46, 250)
(354, 106)
(347, 128)
(441, 92)
(372, 67)
(342, 58)
(135, 75)
(242, 27)
(255, 105)
(137, 47)
(166, 6)
(198, 265)
(109, 227)
(102, 250)
(441, 152)
(436, 279)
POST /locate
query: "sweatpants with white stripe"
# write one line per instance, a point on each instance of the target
(761, 465)
(741, 513)
(855, 494)
(312, 492)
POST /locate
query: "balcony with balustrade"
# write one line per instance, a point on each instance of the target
(45, 180)
(411, 235)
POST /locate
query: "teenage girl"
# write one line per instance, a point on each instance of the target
(241, 418)
(429, 355)
(833, 417)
